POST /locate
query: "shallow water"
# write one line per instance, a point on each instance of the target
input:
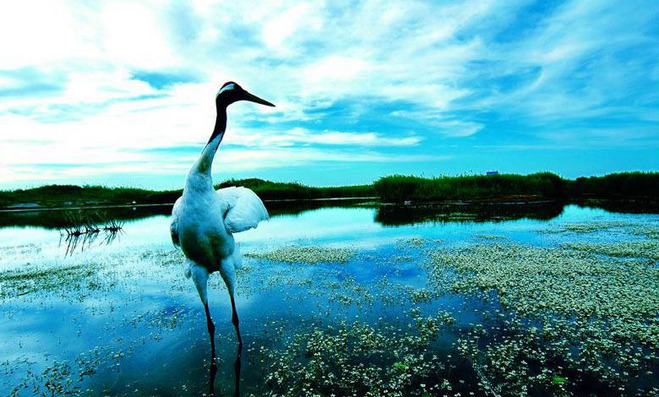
(119, 317)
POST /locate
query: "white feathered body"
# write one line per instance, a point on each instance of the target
(203, 223)
(202, 235)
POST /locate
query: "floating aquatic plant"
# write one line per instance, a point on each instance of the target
(401, 366)
(307, 255)
(356, 360)
(594, 316)
(633, 249)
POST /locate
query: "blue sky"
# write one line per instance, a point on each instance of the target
(122, 93)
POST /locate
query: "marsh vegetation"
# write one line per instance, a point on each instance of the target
(642, 187)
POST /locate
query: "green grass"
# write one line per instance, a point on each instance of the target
(396, 188)
(71, 195)
(399, 187)
(268, 190)
(623, 185)
(541, 186)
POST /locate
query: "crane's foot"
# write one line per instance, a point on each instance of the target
(211, 380)
(236, 367)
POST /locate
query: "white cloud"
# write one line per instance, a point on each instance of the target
(442, 125)
(134, 35)
(36, 33)
(582, 51)
(280, 28)
(240, 160)
(343, 75)
(332, 70)
(456, 128)
(296, 136)
(228, 161)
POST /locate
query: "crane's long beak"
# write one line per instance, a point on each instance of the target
(253, 98)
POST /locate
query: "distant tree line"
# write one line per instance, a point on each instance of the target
(630, 185)
(73, 195)
(396, 188)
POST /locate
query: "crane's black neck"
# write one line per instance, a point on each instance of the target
(220, 123)
(202, 167)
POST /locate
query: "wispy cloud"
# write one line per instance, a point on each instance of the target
(306, 137)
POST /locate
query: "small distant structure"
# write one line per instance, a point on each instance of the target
(492, 173)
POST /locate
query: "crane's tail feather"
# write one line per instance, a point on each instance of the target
(244, 209)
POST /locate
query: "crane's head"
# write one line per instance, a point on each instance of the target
(231, 92)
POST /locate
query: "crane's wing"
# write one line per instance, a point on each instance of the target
(244, 209)
(173, 227)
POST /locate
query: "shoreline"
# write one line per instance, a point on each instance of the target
(502, 201)
(630, 189)
(105, 206)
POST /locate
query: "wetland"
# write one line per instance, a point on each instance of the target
(348, 299)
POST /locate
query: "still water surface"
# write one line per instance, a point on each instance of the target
(119, 317)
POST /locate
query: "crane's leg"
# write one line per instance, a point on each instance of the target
(200, 277)
(228, 273)
(211, 329)
(234, 319)
(238, 363)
